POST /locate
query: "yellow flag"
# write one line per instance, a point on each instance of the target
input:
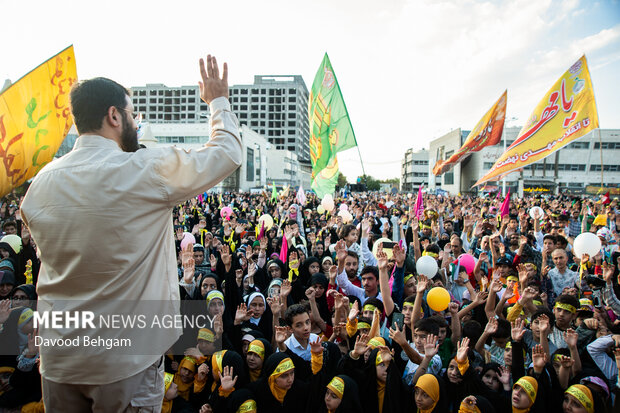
(566, 113)
(34, 119)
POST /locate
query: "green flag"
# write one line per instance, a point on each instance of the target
(330, 129)
(274, 193)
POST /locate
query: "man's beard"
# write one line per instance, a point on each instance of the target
(129, 136)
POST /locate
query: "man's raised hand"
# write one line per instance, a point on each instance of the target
(211, 86)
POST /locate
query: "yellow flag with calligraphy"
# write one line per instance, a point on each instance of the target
(34, 119)
(566, 113)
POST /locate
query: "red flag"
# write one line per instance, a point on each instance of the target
(505, 208)
(284, 249)
(606, 199)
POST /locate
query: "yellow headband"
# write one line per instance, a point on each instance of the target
(407, 278)
(583, 394)
(284, 366)
(337, 386)
(369, 307)
(430, 254)
(206, 334)
(216, 361)
(566, 307)
(249, 406)
(258, 348)
(189, 363)
(512, 278)
(408, 304)
(213, 295)
(530, 385)
(376, 342)
(168, 380)
(25, 316)
(363, 325)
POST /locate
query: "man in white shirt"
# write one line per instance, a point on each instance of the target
(561, 276)
(85, 210)
(370, 277)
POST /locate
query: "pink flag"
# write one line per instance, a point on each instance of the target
(505, 208)
(301, 196)
(419, 204)
(284, 249)
(261, 234)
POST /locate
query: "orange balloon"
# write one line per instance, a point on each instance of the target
(438, 298)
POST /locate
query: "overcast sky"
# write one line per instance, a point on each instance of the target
(409, 71)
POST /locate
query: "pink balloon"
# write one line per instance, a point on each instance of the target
(226, 212)
(187, 239)
(468, 262)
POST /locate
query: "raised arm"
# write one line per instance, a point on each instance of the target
(183, 173)
(384, 282)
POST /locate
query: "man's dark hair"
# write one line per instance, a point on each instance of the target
(374, 302)
(549, 236)
(434, 248)
(503, 329)
(441, 322)
(427, 324)
(370, 269)
(292, 311)
(9, 223)
(291, 222)
(568, 299)
(354, 255)
(544, 311)
(472, 329)
(91, 99)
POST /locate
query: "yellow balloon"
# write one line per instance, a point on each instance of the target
(438, 299)
(320, 209)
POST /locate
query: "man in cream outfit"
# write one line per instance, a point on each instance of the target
(86, 212)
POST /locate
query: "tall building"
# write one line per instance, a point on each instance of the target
(162, 104)
(415, 170)
(277, 108)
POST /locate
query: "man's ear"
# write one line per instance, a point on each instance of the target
(114, 117)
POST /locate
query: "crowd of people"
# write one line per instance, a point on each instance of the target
(326, 311)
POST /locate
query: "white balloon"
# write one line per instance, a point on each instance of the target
(587, 243)
(267, 219)
(320, 209)
(427, 266)
(343, 207)
(538, 209)
(347, 218)
(328, 203)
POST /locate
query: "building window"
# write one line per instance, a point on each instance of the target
(250, 165)
(448, 178)
(607, 145)
(578, 145)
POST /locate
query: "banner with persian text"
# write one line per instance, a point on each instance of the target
(566, 113)
(488, 132)
(34, 119)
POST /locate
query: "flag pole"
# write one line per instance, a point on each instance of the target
(362, 162)
(602, 167)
